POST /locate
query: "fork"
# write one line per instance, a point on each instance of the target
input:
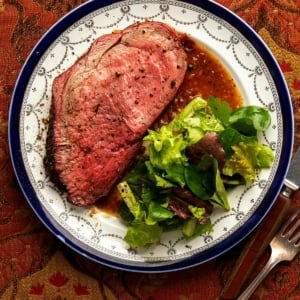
(284, 246)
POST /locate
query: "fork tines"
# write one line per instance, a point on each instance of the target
(289, 230)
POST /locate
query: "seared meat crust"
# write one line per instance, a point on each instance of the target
(105, 102)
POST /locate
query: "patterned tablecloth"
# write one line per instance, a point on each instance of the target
(35, 265)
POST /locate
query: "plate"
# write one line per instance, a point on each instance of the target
(95, 234)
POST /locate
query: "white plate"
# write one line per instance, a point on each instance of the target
(100, 236)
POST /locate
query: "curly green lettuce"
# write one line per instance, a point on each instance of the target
(146, 190)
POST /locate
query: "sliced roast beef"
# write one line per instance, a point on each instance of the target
(105, 102)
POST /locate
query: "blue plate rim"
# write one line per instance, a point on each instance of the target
(215, 251)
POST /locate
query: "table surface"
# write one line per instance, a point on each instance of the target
(35, 265)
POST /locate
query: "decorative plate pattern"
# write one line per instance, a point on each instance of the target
(96, 234)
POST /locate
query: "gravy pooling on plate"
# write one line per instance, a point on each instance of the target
(206, 76)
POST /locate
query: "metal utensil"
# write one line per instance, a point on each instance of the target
(285, 246)
(262, 236)
(292, 180)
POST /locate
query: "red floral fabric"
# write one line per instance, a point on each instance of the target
(35, 265)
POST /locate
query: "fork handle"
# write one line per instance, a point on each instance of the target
(272, 262)
(255, 246)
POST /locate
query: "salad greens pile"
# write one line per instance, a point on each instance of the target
(147, 191)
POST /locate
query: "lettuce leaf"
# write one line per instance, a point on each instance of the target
(157, 213)
(197, 212)
(220, 195)
(221, 109)
(195, 120)
(200, 178)
(193, 228)
(205, 181)
(250, 119)
(247, 158)
(140, 234)
(166, 147)
(143, 228)
(166, 154)
(129, 198)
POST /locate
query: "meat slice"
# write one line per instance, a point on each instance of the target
(105, 102)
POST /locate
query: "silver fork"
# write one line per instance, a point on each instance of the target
(285, 245)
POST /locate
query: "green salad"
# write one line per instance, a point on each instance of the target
(188, 167)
